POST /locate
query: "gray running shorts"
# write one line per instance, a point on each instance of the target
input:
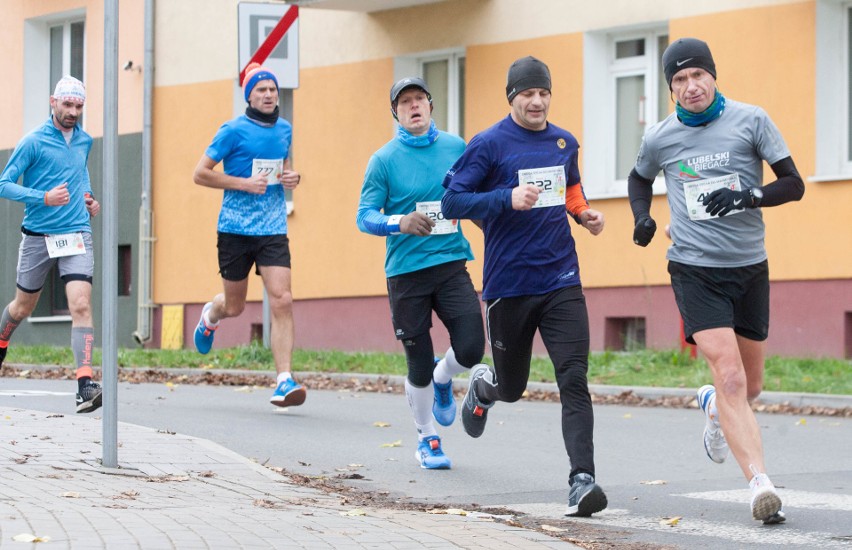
(34, 263)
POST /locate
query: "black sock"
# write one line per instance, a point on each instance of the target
(82, 381)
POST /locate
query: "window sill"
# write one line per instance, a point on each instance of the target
(830, 177)
(51, 319)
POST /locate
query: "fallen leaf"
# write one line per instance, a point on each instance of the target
(355, 512)
(552, 529)
(355, 465)
(23, 374)
(264, 503)
(672, 521)
(397, 443)
(655, 482)
(801, 422)
(628, 415)
(26, 537)
(381, 424)
(71, 494)
(244, 389)
(208, 473)
(163, 479)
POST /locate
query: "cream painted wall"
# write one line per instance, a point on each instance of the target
(480, 22)
(131, 46)
(183, 25)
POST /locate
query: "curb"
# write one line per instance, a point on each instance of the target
(796, 399)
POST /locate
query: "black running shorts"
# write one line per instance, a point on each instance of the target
(717, 297)
(237, 253)
(446, 288)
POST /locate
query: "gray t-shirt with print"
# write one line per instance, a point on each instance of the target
(696, 160)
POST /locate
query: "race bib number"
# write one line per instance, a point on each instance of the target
(551, 182)
(694, 193)
(432, 210)
(68, 244)
(271, 168)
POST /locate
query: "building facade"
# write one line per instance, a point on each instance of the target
(790, 57)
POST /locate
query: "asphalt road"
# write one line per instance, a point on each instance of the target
(650, 461)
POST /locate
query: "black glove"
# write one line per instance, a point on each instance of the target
(724, 200)
(644, 230)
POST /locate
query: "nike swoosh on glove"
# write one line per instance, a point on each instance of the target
(724, 200)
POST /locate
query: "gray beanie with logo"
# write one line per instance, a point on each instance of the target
(525, 73)
(685, 53)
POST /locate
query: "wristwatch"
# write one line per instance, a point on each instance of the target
(756, 194)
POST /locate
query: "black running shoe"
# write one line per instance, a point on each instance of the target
(89, 398)
(474, 411)
(585, 498)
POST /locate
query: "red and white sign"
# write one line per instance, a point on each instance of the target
(269, 35)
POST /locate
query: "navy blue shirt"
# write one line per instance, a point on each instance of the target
(526, 252)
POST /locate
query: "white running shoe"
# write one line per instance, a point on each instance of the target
(765, 502)
(714, 440)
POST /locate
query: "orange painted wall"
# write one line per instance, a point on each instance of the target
(766, 56)
(131, 46)
(337, 127)
(341, 117)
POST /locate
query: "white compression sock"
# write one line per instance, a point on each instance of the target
(447, 368)
(420, 400)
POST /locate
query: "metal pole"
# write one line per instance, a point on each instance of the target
(109, 266)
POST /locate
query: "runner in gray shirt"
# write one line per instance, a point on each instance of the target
(711, 151)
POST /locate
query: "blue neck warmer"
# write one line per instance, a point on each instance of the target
(710, 114)
(418, 141)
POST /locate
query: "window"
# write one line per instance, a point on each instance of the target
(56, 43)
(53, 303)
(626, 67)
(66, 51)
(444, 73)
(833, 90)
(624, 333)
(125, 270)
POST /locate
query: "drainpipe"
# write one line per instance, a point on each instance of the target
(145, 306)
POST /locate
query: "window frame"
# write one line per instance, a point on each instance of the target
(36, 84)
(833, 88)
(601, 72)
(413, 65)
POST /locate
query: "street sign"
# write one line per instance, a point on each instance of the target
(269, 35)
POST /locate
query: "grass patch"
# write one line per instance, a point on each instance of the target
(671, 369)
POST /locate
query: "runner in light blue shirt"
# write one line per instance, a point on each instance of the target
(51, 162)
(252, 230)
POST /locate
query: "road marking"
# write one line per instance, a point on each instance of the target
(33, 393)
(747, 532)
(791, 499)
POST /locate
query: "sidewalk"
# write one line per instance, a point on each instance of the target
(177, 492)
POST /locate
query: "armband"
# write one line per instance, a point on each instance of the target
(393, 224)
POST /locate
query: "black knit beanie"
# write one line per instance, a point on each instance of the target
(525, 73)
(684, 53)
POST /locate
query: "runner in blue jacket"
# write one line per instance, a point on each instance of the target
(51, 162)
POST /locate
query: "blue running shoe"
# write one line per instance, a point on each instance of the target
(430, 455)
(203, 333)
(289, 394)
(444, 406)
